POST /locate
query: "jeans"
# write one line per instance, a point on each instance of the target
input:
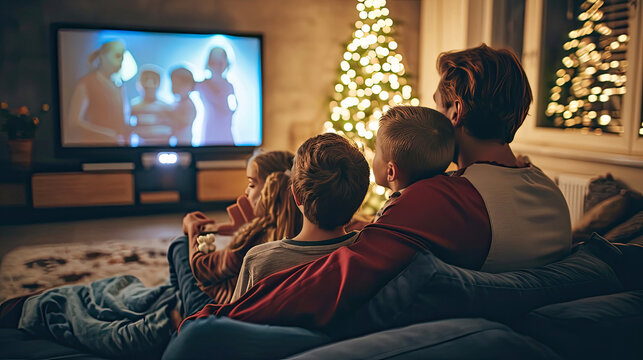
(192, 298)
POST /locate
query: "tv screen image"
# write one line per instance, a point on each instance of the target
(132, 88)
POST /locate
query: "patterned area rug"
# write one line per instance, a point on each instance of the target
(31, 268)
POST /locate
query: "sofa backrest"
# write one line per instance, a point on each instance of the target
(429, 289)
(599, 327)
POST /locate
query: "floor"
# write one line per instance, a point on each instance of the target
(96, 230)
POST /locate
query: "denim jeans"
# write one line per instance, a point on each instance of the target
(192, 298)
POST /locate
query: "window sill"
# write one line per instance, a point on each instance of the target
(580, 155)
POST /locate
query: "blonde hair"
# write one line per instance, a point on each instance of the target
(279, 219)
(419, 140)
(101, 50)
(272, 161)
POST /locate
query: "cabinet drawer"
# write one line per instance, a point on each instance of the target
(220, 184)
(154, 197)
(82, 189)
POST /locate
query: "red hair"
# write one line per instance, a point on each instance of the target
(492, 88)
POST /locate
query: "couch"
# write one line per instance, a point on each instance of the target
(611, 209)
(588, 305)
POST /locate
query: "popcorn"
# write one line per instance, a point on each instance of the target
(206, 243)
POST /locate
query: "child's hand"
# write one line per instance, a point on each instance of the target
(190, 218)
(194, 222)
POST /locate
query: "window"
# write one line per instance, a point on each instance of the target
(584, 65)
(583, 60)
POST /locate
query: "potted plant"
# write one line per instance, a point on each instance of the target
(20, 126)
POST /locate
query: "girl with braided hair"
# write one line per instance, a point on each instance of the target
(211, 277)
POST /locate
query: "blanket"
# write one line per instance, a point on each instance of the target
(115, 317)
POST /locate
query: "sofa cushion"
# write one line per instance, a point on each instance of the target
(445, 339)
(629, 265)
(429, 289)
(601, 188)
(18, 344)
(225, 338)
(601, 327)
(627, 230)
(602, 217)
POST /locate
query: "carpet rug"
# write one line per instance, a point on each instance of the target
(36, 267)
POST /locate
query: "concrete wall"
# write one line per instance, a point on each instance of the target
(303, 45)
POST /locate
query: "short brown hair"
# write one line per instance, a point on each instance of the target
(492, 87)
(419, 140)
(330, 179)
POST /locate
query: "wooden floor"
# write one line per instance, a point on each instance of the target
(96, 230)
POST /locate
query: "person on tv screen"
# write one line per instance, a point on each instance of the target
(98, 109)
(149, 113)
(219, 100)
(183, 112)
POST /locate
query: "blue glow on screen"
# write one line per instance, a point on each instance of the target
(165, 52)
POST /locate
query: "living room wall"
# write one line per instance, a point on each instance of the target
(303, 45)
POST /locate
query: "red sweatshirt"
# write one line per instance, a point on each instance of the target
(445, 215)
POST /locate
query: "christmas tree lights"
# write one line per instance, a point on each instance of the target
(589, 87)
(371, 79)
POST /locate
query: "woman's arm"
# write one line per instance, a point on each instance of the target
(78, 105)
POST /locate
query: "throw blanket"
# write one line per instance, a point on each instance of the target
(114, 317)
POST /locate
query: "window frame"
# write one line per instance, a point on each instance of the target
(568, 141)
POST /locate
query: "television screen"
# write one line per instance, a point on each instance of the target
(132, 88)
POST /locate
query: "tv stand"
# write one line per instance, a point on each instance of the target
(75, 189)
(123, 166)
(74, 195)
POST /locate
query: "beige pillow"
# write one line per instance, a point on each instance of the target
(602, 217)
(627, 230)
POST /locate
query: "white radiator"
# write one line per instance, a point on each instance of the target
(574, 189)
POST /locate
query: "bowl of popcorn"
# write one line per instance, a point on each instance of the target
(205, 243)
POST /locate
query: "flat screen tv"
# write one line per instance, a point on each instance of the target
(144, 89)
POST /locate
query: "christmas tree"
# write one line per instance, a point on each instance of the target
(371, 79)
(589, 87)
